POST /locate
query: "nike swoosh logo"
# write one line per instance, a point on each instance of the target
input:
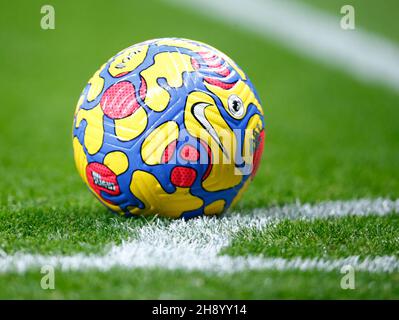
(198, 110)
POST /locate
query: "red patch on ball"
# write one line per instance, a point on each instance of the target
(183, 177)
(101, 178)
(189, 153)
(119, 101)
(258, 152)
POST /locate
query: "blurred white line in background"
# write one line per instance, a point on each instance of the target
(368, 57)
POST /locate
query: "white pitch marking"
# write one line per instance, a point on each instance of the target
(196, 244)
(368, 57)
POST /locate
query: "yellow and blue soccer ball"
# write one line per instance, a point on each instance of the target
(170, 127)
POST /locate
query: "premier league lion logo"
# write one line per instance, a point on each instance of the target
(170, 127)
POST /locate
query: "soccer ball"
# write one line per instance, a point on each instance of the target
(171, 127)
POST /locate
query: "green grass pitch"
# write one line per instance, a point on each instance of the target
(328, 137)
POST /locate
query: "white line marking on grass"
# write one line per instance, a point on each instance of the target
(195, 244)
(312, 32)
